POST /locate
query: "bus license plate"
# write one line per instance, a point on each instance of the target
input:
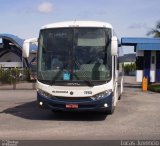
(71, 105)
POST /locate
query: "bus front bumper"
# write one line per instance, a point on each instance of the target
(74, 104)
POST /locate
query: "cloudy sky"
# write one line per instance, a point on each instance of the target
(130, 18)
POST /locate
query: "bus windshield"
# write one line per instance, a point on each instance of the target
(68, 55)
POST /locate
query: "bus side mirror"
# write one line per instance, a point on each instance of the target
(114, 46)
(29, 45)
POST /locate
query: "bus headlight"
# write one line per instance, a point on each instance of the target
(43, 93)
(102, 95)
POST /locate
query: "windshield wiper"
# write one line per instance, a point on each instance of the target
(88, 81)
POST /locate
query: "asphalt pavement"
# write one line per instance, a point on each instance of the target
(136, 117)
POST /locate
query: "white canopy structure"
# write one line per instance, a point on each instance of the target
(11, 51)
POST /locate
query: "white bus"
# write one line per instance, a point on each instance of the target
(78, 67)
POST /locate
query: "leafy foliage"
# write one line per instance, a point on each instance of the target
(154, 87)
(129, 68)
(13, 75)
(155, 31)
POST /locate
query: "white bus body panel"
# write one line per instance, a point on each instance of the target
(78, 91)
(78, 24)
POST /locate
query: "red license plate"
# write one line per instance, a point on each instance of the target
(71, 105)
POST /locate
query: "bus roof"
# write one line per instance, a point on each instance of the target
(78, 24)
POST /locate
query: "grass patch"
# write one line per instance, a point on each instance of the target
(154, 87)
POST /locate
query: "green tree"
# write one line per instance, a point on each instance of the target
(155, 31)
(129, 68)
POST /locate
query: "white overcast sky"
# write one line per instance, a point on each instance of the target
(130, 18)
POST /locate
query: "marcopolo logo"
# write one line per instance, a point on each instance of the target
(71, 93)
